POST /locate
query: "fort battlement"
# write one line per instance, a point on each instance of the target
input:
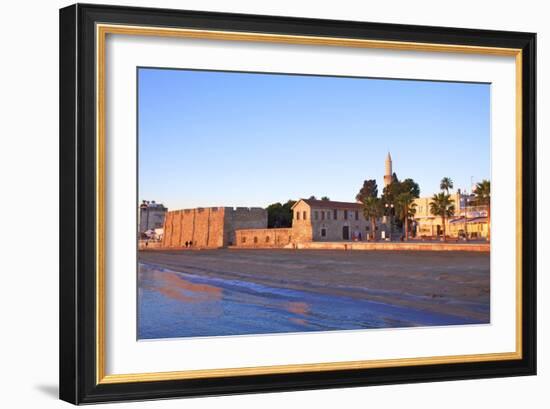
(209, 227)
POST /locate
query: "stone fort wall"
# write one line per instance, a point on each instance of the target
(209, 227)
(262, 238)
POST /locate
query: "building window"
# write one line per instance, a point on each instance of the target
(255, 240)
(323, 215)
(316, 215)
(297, 215)
(323, 232)
(243, 239)
(335, 212)
(305, 215)
(367, 228)
(345, 215)
(267, 239)
(356, 215)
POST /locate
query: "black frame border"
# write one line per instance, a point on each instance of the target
(78, 210)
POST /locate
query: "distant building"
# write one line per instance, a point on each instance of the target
(315, 220)
(325, 220)
(151, 216)
(469, 219)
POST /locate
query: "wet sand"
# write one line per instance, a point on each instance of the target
(451, 283)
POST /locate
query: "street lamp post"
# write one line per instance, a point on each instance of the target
(389, 210)
(466, 218)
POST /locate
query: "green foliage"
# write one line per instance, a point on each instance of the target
(405, 205)
(369, 189)
(325, 198)
(446, 184)
(442, 205)
(401, 194)
(483, 192)
(372, 207)
(280, 215)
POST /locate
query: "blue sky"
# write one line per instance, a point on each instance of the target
(238, 139)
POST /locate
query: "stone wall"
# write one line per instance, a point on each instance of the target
(242, 218)
(202, 227)
(384, 246)
(263, 238)
(301, 223)
(210, 227)
(325, 223)
(334, 228)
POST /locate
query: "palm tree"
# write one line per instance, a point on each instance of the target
(483, 197)
(446, 184)
(442, 205)
(406, 208)
(372, 209)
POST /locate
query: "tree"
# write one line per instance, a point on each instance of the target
(280, 215)
(483, 197)
(312, 197)
(446, 184)
(442, 205)
(369, 189)
(401, 194)
(372, 209)
(406, 208)
(325, 198)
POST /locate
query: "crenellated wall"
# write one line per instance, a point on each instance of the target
(242, 218)
(209, 227)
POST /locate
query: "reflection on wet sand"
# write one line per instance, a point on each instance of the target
(178, 304)
(177, 288)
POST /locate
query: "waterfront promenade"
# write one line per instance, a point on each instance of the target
(413, 245)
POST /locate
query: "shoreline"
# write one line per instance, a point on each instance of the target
(421, 280)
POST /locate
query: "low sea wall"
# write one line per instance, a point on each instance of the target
(437, 246)
(149, 245)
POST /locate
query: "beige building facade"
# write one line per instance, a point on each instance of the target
(468, 220)
(314, 221)
(324, 220)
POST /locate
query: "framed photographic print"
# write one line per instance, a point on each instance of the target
(257, 203)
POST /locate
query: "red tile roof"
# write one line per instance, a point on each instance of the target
(329, 204)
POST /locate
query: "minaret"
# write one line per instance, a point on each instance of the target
(388, 173)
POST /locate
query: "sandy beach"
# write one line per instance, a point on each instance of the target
(451, 283)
